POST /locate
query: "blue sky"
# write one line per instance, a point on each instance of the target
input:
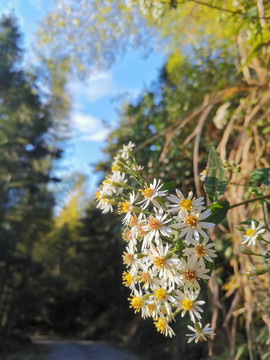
(93, 100)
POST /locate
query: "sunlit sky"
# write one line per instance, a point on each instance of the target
(94, 100)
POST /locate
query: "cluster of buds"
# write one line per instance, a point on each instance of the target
(257, 242)
(167, 245)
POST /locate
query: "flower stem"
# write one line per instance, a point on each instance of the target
(250, 200)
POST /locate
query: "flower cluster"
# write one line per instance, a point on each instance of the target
(167, 245)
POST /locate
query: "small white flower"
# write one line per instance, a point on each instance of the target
(201, 250)
(252, 233)
(125, 152)
(193, 225)
(130, 258)
(192, 270)
(201, 334)
(138, 303)
(156, 226)
(203, 175)
(161, 296)
(113, 183)
(164, 264)
(126, 207)
(184, 205)
(103, 202)
(163, 327)
(186, 302)
(146, 276)
(149, 194)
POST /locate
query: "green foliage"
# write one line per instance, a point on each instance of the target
(218, 211)
(261, 176)
(215, 179)
(26, 156)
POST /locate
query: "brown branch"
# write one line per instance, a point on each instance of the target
(223, 94)
(213, 287)
(182, 122)
(196, 147)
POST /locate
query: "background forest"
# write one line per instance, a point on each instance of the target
(61, 271)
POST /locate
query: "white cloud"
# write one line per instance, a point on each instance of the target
(94, 88)
(87, 127)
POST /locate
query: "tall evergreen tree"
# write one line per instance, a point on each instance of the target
(27, 150)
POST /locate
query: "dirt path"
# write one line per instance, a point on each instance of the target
(82, 350)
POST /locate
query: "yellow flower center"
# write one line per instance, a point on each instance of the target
(98, 195)
(107, 181)
(186, 204)
(191, 221)
(146, 277)
(161, 294)
(190, 275)
(133, 221)
(201, 339)
(127, 278)
(187, 304)
(154, 224)
(115, 168)
(136, 303)
(151, 307)
(250, 232)
(128, 259)
(147, 192)
(159, 261)
(124, 207)
(126, 235)
(160, 325)
(199, 250)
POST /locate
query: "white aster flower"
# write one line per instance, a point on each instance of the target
(138, 303)
(149, 194)
(104, 203)
(146, 276)
(163, 327)
(114, 182)
(252, 233)
(203, 175)
(137, 226)
(201, 250)
(129, 279)
(184, 205)
(187, 303)
(164, 264)
(126, 207)
(201, 334)
(161, 296)
(155, 227)
(193, 225)
(125, 152)
(192, 270)
(130, 258)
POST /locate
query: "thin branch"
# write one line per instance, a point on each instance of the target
(233, 12)
(182, 122)
(250, 200)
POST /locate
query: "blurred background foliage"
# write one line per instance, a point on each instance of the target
(61, 273)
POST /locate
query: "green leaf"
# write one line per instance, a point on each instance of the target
(168, 186)
(261, 175)
(215, 183)
(218, 211)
